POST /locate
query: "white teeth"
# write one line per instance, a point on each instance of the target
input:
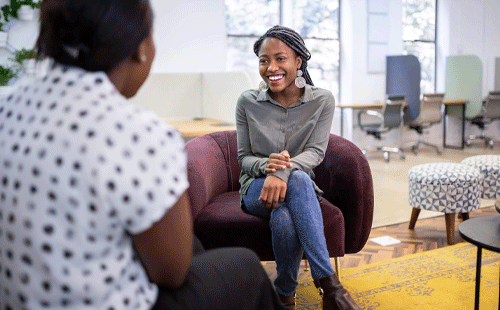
(275, 77)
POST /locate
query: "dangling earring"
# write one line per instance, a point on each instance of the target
(263, 86)
(300, 82)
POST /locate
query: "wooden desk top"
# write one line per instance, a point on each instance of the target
(190, 128)
(378, 105)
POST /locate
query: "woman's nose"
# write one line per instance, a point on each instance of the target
(272, 66)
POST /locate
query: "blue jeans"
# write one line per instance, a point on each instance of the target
(296, 227)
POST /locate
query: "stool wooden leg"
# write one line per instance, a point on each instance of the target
(306, 265)
(450, 227)
(414, 216)
(465, 216)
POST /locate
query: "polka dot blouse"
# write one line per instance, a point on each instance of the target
(80, 171)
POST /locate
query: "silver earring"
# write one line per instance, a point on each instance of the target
(144, 58)
(263, 86)
(300, 82)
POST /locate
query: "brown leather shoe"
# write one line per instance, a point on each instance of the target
(288, 301)
(335, 296)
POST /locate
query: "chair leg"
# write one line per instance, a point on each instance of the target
(306, 265)
(450, 227)
(465, 216)
(337, 267)
(414, 216)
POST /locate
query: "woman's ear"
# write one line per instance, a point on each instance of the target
(141, 54)
(299, 62)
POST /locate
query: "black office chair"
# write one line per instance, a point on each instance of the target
(430, 114)
(489, 113)
(389, 118)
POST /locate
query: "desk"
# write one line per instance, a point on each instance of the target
(191, 128)
(378, 105)
(484, 232)
(374, 105)
(454, 102)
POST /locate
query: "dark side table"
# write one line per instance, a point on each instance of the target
(484, 232)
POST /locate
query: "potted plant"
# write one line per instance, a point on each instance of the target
(6, 74)
(25, 59)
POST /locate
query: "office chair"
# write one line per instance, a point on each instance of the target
(430, 114)
(490, 111)
(390, 117)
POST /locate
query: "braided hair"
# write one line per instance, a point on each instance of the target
(293, 40)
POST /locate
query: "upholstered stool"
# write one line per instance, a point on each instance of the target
(445, 187)
(489, 165)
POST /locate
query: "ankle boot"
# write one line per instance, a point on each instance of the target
(288, 301)
(335, 296)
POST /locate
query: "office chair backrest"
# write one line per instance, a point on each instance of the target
(393, 111)
(492, 105)
(430, 109)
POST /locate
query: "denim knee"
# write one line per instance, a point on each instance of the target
(299, 180)
(281, 222)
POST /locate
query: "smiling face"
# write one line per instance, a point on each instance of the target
(278, 65)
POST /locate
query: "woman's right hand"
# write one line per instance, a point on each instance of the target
(273, 191)
(278, 161)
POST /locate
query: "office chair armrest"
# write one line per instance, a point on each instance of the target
(369, 113)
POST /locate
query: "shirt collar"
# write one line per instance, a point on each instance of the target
(308, 96)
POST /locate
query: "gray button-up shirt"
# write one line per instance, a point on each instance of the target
(264, 126)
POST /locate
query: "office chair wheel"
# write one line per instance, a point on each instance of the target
(440, 152)
(490, 144)
(467, 143)
(414, 150)
(402, 156)
(386, 157)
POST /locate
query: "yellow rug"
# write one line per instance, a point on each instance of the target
(437, 279)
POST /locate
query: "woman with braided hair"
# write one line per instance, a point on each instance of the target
(283, 129)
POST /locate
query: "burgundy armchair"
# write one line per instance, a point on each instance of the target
(213, 173)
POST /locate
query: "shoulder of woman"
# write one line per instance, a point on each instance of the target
(323, 94)
(249, 95)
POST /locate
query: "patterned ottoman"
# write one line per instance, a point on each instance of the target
(489, 165)
(445, 187)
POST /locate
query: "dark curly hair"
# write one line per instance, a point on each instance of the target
(93, 35)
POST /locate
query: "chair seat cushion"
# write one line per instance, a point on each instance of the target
(489, 165)
(222, 223)
(445, 187)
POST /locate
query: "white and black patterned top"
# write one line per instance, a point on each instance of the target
(80, 170)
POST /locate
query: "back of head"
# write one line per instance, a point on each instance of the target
(93, 35)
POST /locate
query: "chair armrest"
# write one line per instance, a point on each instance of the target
(369, 113)
(345, 177)
(207, 172)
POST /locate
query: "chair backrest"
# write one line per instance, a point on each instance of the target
(492, 105)
(392, 111)
(430, 108)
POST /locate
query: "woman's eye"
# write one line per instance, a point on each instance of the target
(262, 61)
(281, 58)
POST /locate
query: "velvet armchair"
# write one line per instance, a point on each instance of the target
(213, 173)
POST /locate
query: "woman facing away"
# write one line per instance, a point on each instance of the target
(93, 210)
(283, 130)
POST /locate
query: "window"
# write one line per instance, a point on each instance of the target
(419, 38)
(317, 21)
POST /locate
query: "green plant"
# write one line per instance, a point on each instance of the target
(6, 74)
(11, 10)
(22, 54)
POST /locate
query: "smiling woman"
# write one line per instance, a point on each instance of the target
(282, 132)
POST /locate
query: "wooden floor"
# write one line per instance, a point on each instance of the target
(428, 234)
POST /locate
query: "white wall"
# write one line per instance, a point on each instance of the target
(469, 27)
(190, 35)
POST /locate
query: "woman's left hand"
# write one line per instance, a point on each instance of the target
(278, 161)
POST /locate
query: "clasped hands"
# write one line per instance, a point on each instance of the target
(274, 189)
